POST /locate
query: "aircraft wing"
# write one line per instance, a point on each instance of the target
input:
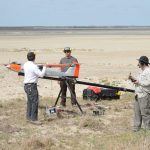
(73, 70)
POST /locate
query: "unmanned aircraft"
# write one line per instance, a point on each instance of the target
(70, 75)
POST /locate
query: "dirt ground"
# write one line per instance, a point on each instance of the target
(104, 59)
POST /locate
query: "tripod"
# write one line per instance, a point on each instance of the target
(67, 80)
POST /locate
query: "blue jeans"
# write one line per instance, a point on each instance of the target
(32, 101)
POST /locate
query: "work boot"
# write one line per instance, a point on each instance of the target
(74, 105)
(28, 120)
(135, 129)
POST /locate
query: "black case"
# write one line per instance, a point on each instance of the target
(109, 94)
(105, 93)
(89, 94)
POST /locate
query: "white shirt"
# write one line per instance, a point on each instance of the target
(32, 72)
(144, 83)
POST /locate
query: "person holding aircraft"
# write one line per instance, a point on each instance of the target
(68, 59)
(31, 75)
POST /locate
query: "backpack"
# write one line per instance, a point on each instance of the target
(96, 93)
(91, 93)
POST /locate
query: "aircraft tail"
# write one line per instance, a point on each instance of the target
(73, 70)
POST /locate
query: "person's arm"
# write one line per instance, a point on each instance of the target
(60, 61)
(38, 72)
(75, 61)
(133, 79)
(61, 68)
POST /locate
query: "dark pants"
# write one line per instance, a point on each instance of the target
(32, 101)
(142, 112)
(64, 91)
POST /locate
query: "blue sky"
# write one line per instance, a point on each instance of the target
(74, 12)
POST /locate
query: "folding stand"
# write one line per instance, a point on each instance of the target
(66, 79)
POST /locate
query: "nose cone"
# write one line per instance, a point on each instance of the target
(8, 66)
(14, 67)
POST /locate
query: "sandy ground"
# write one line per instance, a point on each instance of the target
(103, 59)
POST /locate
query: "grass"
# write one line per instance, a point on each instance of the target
(111, 131)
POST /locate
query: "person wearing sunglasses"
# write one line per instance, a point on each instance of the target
(68, 59)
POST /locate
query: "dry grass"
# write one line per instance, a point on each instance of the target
(111, 131)
(38, 143)
(95, 124)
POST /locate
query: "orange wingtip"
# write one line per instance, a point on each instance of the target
(14, 67)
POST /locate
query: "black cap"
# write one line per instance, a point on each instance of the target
(144, 59)
(67, 49)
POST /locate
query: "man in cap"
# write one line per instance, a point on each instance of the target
(142, 95)
(32, 73)
(68, 59)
